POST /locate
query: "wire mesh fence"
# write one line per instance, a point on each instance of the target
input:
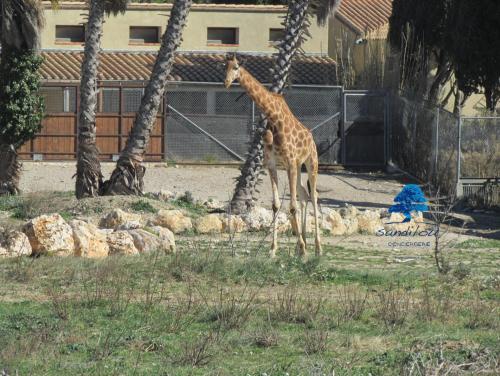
(215, 125)
(480, 147)
(458, 156)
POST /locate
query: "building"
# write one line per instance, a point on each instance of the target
(129, 44)
(210, 28)
(358, 31)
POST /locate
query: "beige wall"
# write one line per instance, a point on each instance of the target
(253, 24)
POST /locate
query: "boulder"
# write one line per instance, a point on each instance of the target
(117, 218)
(146, 241)
(209, 224)
(351, 225)
(121, 242)
(283, 223)
(130, 225)
(334, 223)
(233, 223)
(15, 244)
(174, 220)
(212, 204)
(258, 218)
(348, 212)
(369, 222)
(395, 222)
(50, 234)
(89, 240)
(165, 195)
(167, 238)
(4, 252)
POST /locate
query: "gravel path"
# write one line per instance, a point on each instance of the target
(365, 190)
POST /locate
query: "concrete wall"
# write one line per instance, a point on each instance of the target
(253, 23)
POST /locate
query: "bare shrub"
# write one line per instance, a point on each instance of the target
(432, 305)
(315, 341)
(351, 303)
(438, 361)
(480, 314)
(265, 337)
(289, 306)
(231, 310)
(60, 302)
(393, 306)
(106, 345)
(107, 284)
(198, 353)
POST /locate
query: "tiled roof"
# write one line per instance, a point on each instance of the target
(365, 15)
(188, 67)
(167, 6)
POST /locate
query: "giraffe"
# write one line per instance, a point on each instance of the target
(287, 142)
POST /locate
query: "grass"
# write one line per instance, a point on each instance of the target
(208, 310)
(476, 243)
(143, 206)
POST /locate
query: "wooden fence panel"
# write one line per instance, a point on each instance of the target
(57, 139)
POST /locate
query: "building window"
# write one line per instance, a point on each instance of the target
(276, 36)
(222, 35)
(144, 34)
(70, 34)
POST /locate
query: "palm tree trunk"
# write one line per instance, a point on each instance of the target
(10, 170)
(244, 193)
(127, 177)
(88, 168)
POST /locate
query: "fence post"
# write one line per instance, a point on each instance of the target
(435, 147)
(459, 190)
(253, 117)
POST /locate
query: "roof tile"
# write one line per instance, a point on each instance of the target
(188, 67)
(365, 15)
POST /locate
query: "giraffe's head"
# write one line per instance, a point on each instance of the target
(232, 70)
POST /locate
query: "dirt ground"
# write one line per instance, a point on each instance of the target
(362, 189)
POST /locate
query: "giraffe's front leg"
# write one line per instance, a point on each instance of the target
(273, 173)
(292, 179)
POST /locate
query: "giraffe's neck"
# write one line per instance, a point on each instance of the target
(259, 94)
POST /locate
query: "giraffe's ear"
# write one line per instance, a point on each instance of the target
(242, 60)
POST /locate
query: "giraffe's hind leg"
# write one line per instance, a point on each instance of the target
(303, 198)
(312, 170)
(292, 179)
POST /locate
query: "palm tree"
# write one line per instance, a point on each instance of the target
(127, 177)
(21, 107)
(296, 25)
(88, 168)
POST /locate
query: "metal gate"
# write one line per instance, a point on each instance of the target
(364, 128)
(214, 125)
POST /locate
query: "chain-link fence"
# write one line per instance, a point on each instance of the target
(364, 131)
(214, 125)
(427, 141)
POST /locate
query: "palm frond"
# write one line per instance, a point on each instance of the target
(323, 9)
(115, 6)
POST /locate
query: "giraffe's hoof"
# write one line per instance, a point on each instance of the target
(272, 253)
(301, 249)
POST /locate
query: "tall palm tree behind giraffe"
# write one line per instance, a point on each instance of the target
(289, 143)
(296, 24)
(88, 168)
